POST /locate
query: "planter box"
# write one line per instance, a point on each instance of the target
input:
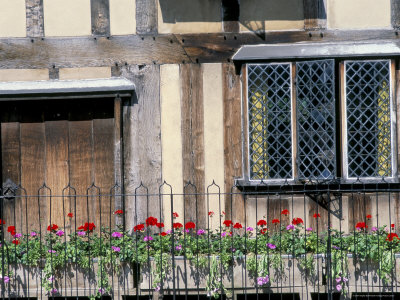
(70, 281)
(74, 281)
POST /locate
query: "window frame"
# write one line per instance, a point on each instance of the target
(293, 129)
(343, 112)
(341, 120)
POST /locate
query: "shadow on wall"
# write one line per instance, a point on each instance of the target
(174, 11)
(261, 15)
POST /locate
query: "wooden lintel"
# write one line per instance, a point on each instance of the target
(158, 49)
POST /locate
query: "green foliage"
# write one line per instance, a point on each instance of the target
(212, 253)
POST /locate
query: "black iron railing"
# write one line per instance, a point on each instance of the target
(311, 241)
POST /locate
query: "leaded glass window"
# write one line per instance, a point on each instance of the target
(270, 134)
(368, 109)
(297, 135)
(315, 92)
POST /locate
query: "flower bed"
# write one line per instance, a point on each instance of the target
(210, 259)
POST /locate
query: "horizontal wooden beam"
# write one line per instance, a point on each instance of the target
(157, 49)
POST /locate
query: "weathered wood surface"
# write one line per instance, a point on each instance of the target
(103, 140)
(34, 18)
(395, 13)
(232, 137)
(100, 10)
(57, 169)
(79, 52)
(146, 16)
(81, 173)
(359, 207)
(193, 142)
(160, 49)
(142, 142)
(33, 166)
(10, 149)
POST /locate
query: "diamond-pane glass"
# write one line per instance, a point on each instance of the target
(368, 119)
(315, 91)
(270, 135)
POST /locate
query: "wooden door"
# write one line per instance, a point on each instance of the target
(61, 152)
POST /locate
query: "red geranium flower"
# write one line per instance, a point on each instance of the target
(284, 212)
(391, 236)
(175, 215)
(263, 231)
(177, 225)
(369, 217)
(11, 230)
(15, 242)
(361, 225)
(237, 226)
(262, 223)
(70, 215)
(151, 221)
(163, 233)
(297, 221)
(87, 227)
(210, 213)
(392, 225)
(4, 222)
(227, 223)
(118, 212)
(138, 227)
(190, 225)
(275, 221)
(317, 215)
(53, 227)
(160, 225)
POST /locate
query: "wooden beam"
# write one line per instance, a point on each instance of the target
(161, 49)
(230, 15)
(146, 16)
(34, 18)
(395, 14)
(100, 17)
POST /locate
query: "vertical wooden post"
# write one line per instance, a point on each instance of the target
(314, 14)
(193, 140)
(146, 16)
(34, 18)
(395, 14)
(100, 17)
(232, 139)
(230, 15)
(142, 143)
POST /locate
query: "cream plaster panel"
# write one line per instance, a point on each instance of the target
(171, 138)
(84, 73)
(194, 16)
(122, 17)
(12, 18)
(260, 15)
(213, 131)
(24, 74)
(67, 18)
(357, 14)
